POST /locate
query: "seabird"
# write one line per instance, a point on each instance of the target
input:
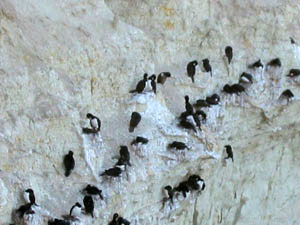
(288, 94)
(169, 193)
(88, 205)
(58, 222)
(124, 157)
(213, 100)
(228, 53)
(134, 121)
(25, 209)
(178, 145)
(233, 89)
(140, 85)
(188, 107)
(139, 139)
(93, 190)
(75, 210)
(162, 77)
(201, 103)
(94, 122)
(275, 62)
(183, 188)
(196, 182)
(191, 69)
(207, 66)
(294, 73)
(29, 196)
(229, 152)
(69, 163)
(246, 78)
(113, 172)
(153, 83)
(114, 220)
(187, 125)
(257, 64)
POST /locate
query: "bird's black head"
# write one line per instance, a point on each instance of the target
(227, 88)
(89, 115)
(29, 190)
(168, 188)
(152, 77)
(116, 215)
(205, 61)
(70, 153)
(228, 49)
(227, 147)
(167, 74)
(195, 63)
(186, 98)
(78, 204)
(145, 76)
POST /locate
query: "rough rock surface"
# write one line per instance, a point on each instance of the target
(62, 59)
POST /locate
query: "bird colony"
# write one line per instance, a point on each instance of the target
(139, 143)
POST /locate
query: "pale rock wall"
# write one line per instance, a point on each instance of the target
(62, 59)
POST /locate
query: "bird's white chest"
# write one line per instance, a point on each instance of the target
(76, 211)
(26, 197)
(166, 193)
(94, 123)
(148, 86)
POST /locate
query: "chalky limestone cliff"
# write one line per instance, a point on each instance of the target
(62, 59)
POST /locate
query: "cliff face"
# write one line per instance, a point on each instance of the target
(63, 59)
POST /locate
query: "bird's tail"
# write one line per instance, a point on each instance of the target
(193, 80)
(132, 91)
(131, 129)
(67, 173)
(211, 73)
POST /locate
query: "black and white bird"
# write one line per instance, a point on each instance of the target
(256, 64)
(213, 100)
(124, 157)
(75, 210)
(169, 193)
(114, 220)
(29, 196)
(183, 187)
(234, 89)
(246, 78)
(94, 122)
(153, 83)
(207, 66)
(274, 63)
(113, 172)
(229, 152)
(134, 121)
(162, 77)
(178, 145)
(88, 205)
(139, 139)
(287, 94)
(184, 123)
(25, 209)
(294, 73)
(140, 85)
(201, 103)
(58, 222)
(93, 190)
(191, 69)
(69, 163)
(195, 182)
(228, 53)
(188, 107)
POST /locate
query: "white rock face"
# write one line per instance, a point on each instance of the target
(62, 59)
